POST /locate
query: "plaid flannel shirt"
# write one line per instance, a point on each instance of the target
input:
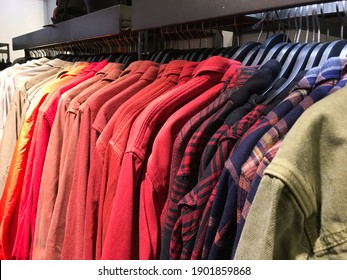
(203, 192)
(187, 175)
(224, 212)
(181, 142)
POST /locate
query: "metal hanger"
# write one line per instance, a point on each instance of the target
(343, 53)
(335, 48)
(321, 47)
(282, 52)
(282, 40)
(272, 44)
(229, 52)
(298, 61)
(253, 53)
(294, 62)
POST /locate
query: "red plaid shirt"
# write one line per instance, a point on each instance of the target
(187, 175)
(181, 142)
(192, 206)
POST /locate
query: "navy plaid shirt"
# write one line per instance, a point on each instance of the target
(224, 211)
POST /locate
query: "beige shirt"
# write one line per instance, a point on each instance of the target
(22, 81)
(300, 209)
(7, 87)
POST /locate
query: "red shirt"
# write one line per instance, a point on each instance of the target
(121, 132)
(123, 233)
(73, 246)
(155, 181)
(55, 238)
(127, 113)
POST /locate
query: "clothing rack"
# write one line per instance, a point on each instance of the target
(149, 17)
(146, 103)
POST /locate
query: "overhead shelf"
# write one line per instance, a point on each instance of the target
(149, 14)
(101, 23)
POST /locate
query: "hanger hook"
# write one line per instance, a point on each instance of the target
(184, 35)
(273, 14)
(344, 16)
(313, 24)
(261, 23)
(220, 33)
(280, 24)
(295, 25)
(340, 19)
(162, 35)
(300, 25)
(307, 25)
(287, 33)
(317, 22)
(204, 32)
(236, 34)
(190, 35)
(327, 35)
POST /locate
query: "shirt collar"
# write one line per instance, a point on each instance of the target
(161, 70)
(98, 66)
(56, 62)
(214, 64)
(150, 74)
(108, 67)
(77, 68)
(188, 69)
(132, 67)
(42, 60)
(145, 65)
(90, 67)
(231, 71)
(174, 67)
(332, 69)
(112, 75)
(309, 80)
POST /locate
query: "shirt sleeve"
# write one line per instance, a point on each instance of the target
(274, 228)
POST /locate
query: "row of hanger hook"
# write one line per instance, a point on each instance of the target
(311, 16)
(127, 42)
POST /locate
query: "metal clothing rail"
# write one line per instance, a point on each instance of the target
(148, 14)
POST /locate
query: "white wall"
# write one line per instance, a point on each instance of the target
(51, 4)
(18, 17)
